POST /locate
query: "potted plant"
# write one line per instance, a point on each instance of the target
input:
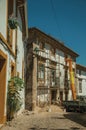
(13, 22)
(15, 85)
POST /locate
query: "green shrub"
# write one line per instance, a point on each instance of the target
(15, 85)
(13, 23)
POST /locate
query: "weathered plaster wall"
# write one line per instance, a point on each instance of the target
(3, 17)
(5, 50)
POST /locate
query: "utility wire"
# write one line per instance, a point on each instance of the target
(56, 20)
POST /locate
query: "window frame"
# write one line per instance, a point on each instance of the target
(52, 50)
(53, 75)
(80, 86)
(42, 45)
(41, 71)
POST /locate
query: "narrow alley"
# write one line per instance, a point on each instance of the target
(40, 73)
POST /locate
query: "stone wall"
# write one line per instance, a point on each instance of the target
(28, 75)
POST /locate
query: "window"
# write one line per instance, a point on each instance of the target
(84, 73)
(41, 71)
(53, 51)
(37, 42)
(41, 45)
(80, 86)
(53, 75)
(79, 72)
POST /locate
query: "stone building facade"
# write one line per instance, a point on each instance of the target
(47, 76)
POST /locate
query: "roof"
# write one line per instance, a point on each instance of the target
(80, 67)
(56, 42)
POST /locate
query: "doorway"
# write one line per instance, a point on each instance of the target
(66, 95)
(3, 64)
(53, 95)
(61, 96)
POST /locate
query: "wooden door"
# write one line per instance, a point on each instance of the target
(2, 88)
(61, 96)
(53, 95)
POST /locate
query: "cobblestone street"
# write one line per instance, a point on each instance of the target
(48, 121)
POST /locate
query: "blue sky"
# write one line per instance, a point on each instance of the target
(63, 19)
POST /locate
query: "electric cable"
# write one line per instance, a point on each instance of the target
(55, 18)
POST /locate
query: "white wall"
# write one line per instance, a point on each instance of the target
(20, 47)
(83, 77)
(3, 47)
(84, 87)
(3, 17)
(20, 56)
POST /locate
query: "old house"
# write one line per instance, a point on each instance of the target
(47, 77)
(13, 33)
(81, 80)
